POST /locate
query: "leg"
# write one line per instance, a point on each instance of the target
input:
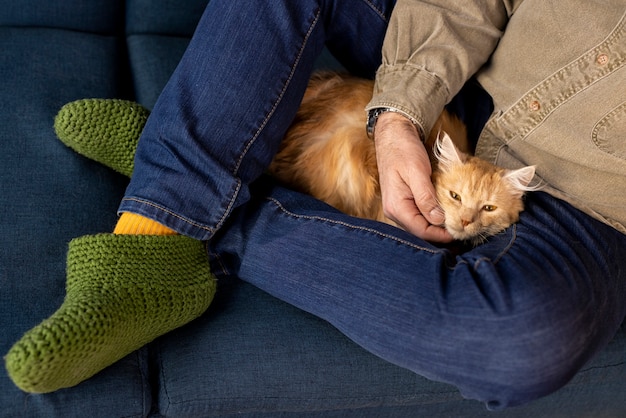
(506, 323)
(220, 119)
(213, 131)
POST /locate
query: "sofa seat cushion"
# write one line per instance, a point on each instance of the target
(252, 353)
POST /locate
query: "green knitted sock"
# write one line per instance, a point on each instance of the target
(104, 130)
(123, 291)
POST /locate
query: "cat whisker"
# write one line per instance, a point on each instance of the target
(480, 238)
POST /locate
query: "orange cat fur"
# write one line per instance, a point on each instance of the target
(326, 153)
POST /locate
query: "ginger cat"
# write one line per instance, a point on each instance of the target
(326, 153)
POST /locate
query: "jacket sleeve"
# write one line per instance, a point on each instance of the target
(432, 47)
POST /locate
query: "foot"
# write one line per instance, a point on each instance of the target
(104, 130)
(123, 291)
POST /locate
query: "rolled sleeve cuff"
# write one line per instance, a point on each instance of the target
(412, 91)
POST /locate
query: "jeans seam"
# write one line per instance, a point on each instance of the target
(256, 135)
(169, 212)
(508, 247)
(376, 9)
(504, 251)
(351, 226)
(229, 208)
(252, 141)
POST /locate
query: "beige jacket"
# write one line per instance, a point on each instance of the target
(555, 70)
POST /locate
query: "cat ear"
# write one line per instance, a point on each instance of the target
(520, 179)
(446, 152)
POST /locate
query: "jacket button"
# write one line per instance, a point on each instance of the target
(534, 105)
(602, 59)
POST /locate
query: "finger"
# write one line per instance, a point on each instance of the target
(427, 204)
(410, 219)
(437, 234)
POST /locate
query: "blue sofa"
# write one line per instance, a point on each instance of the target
(250, 355)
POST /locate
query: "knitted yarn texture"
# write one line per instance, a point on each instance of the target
(123, 291)
(104, 130)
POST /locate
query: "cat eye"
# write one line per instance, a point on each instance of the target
(489, 208)
(455, 196)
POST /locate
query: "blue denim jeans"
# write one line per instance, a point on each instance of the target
(506, 322)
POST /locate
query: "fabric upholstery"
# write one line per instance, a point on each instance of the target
(94, 16)
(49, 196)
(250, 355)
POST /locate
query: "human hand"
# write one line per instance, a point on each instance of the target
(404, 172)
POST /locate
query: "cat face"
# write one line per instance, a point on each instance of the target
(478, 198)
(477, 202)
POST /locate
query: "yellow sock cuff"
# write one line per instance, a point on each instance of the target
(133, 224)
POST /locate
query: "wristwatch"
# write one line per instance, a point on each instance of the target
(372, 117)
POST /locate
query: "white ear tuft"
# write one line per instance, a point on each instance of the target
(446, 152)
(521, 178)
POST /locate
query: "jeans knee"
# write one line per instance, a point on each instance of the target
(523, 359)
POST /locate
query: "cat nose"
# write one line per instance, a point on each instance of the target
(465, 222)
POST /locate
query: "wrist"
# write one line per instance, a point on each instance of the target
(381, 118)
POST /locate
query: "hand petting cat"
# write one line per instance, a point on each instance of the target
(405, 172)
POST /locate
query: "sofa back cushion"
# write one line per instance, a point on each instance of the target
(95, 16)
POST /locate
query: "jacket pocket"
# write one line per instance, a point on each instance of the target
(609, 134)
